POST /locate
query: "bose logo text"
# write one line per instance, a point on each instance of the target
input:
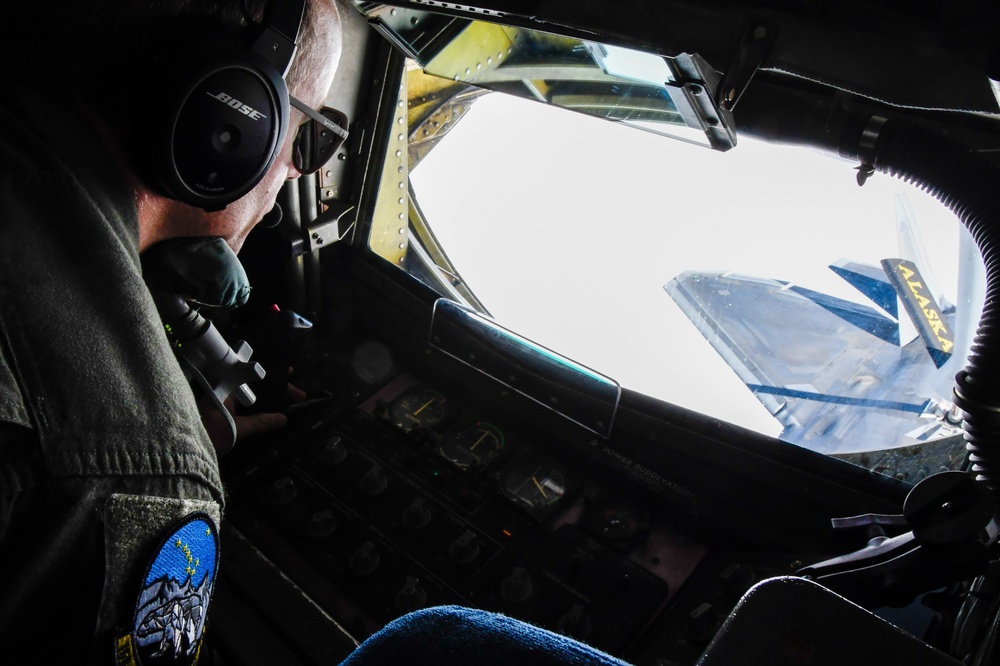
(229, 100)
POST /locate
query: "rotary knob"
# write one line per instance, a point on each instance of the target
(321, 524)
(576, 623)
(364, 560)
(517, 587)
(737, 579)
(282, 492)
(374, 481)
(702, 623)
(417, 515)
(465, 548)
(411, 596)
(333, 452)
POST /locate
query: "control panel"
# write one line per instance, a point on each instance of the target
(414, 499)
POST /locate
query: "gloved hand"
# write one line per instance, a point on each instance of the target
(247, 425)
(205, 271)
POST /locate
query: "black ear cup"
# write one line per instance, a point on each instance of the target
(215, 113)
(223, 127)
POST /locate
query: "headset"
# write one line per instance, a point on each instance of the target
(223, 112)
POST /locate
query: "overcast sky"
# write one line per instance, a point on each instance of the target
(568, 227)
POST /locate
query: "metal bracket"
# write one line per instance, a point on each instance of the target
(698, 80)
(755, 45)
(330, 227)
(953, 522)
(866, 148)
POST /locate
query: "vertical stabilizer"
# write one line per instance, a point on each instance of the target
(912, 249)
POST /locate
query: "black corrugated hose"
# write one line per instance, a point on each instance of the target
(966, 181)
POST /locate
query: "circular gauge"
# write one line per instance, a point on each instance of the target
(420, 407)
(536, 483)
(616, 521)
(474, 447)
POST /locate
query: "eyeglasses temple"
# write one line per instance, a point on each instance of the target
(319, 117)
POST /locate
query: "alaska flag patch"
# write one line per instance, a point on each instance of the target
(170, 613)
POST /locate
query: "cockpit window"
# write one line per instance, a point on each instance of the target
(761, 286)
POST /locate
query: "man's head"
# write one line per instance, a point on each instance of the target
(308, 80)
(116, 58)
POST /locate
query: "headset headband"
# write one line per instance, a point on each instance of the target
(280, 31)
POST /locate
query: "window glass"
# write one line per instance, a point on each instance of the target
(761, 286)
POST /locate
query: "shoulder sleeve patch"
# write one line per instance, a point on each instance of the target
(12, 404)
(170, 594)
